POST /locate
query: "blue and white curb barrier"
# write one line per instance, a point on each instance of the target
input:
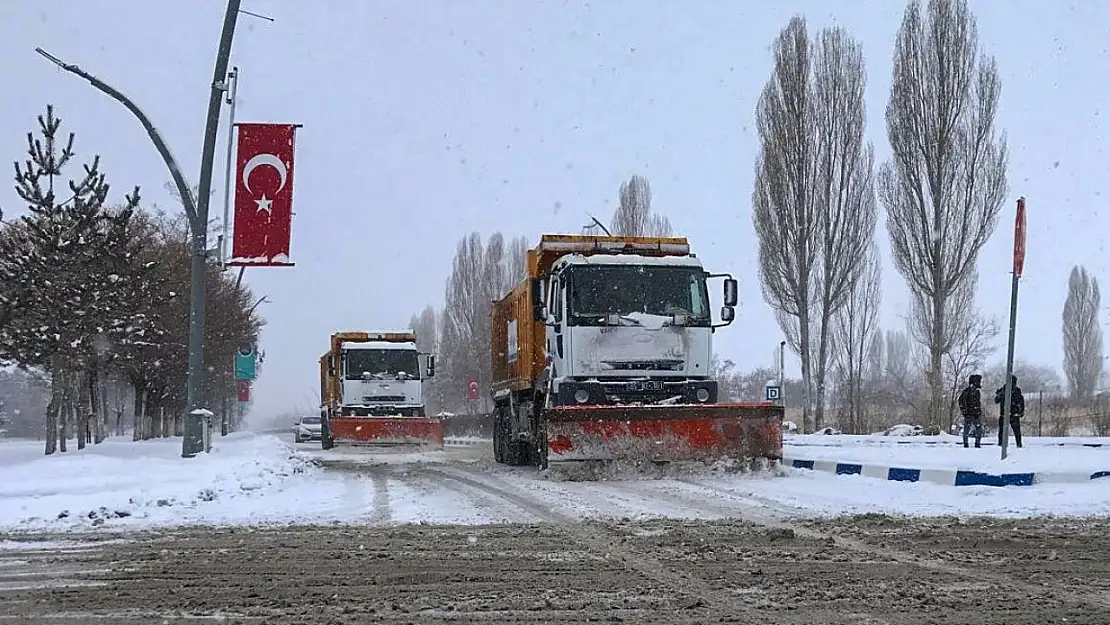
(944, 477)
(463, 442)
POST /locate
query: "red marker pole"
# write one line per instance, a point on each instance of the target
(1019, 266)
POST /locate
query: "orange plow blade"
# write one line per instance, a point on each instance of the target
(422, 431)
(665, 433)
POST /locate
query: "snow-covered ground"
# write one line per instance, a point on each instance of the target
(263, 479)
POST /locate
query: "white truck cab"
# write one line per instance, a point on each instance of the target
(624, 328)
(382, 378)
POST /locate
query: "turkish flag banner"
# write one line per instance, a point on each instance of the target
(244, 390)
(263, 195)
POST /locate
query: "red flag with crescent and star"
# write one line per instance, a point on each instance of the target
(263, 195)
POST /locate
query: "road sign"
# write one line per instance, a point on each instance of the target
(472, 387)
(1019, 238)
(772, 393)
(245, 364)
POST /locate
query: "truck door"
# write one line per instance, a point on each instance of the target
(558, 349)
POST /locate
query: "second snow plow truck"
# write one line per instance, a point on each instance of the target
(603, 353)
(371, 388)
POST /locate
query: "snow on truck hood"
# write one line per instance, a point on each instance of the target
(600, 349)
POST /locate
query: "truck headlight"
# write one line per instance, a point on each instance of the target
(581, 396)
(702, 395)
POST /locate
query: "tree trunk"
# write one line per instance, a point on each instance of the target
(52, 421)
(822, 367)
(807, 370)
(70, 416)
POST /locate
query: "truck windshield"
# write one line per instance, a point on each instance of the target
(381, 364)
(600, 290)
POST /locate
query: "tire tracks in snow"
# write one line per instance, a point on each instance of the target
(939, 565)
(600, 538)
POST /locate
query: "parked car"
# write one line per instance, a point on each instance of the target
(307, 429)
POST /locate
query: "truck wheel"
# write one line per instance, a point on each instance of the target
(498, 438)
(517, 454)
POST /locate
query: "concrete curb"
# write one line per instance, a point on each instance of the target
(944, 477)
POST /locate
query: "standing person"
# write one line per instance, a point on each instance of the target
(1017, 410)
(971, 408)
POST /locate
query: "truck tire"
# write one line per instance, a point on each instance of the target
(498, 436)
(518, 454)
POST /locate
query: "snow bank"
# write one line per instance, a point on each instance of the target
(1032, 458)
(883, 440)
(121, 482)
(825, 494)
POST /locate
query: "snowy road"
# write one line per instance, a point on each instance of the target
(262, 480)
(449, 536)
(876, 570)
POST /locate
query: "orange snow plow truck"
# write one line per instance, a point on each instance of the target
(603, 354)
(371, 390)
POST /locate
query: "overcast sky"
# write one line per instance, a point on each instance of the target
(424, 121)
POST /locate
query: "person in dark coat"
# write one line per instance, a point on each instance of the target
(971, 408)
(1017, 410)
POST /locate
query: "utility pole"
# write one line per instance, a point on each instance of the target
(195, 390)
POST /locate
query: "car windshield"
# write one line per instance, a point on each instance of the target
(600, 290)
(381, 364)
(311, 421)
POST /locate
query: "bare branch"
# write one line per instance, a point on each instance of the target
(183, 189)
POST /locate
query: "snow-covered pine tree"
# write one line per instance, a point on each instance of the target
(64, 240)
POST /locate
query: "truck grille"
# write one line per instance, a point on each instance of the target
(384, 398)
(646, 365)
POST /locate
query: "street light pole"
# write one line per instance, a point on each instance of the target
(195, 391)
(232, 89)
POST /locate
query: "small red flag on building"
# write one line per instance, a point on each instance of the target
(263, 195)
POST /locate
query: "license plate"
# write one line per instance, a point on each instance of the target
(649, 385)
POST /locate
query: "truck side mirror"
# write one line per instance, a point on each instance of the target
(538, 312)
(431, 366)
(731, 292)
(728, 313)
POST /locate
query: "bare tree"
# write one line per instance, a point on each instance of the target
(845, 186)
(426, 327)
(634, 217)
(976, 342)
(516, 263)
(945, 184)
(1082, 334)
(465, 316)
(814, 198)
(854, 332)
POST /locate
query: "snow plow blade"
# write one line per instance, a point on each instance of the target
(665, 433)
(386, 431)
